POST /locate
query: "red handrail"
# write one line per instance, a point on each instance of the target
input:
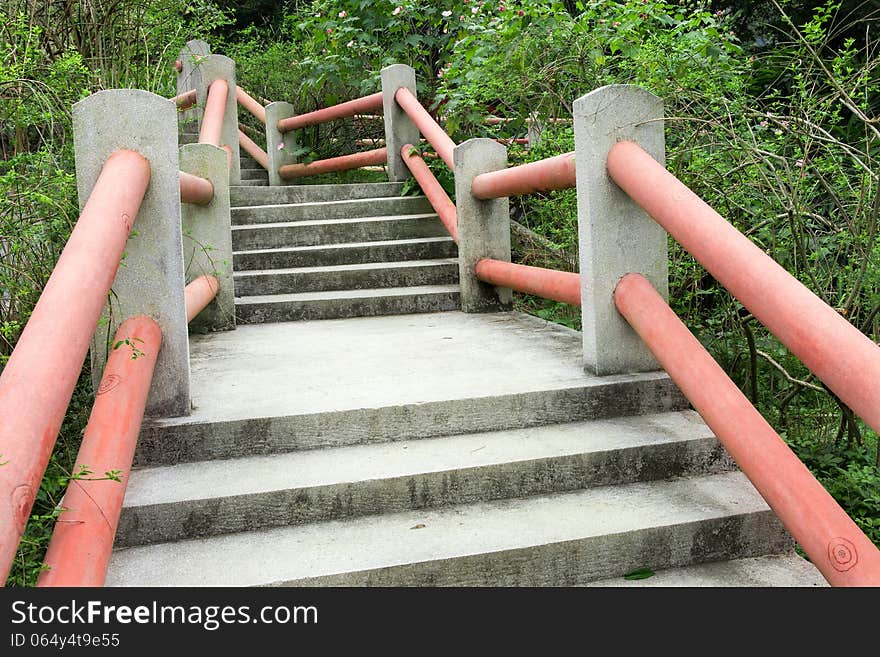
(342, 110)
(845, 359)
(185, 100)
(432, 131)
(39, 378)
(194, 189)
(253, 149)
(542, 176)
(251, 105)
(215, 110)
(198, 294)
(83, 536)
(437, 196)
(548, 283)
(342, 163)
(834, 543)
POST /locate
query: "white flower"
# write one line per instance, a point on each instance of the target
(446, 14)
(397, 11)
(342, 14)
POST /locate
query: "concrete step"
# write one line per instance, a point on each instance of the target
(337, 304)
(336, 231)
(425, 248)
(554, 540)
(786, 569)
(253, 183)
(254, 173)
(188, 138)
(271, 388)
(325, 210)
(194, 500)
(287, 194)
(371, 275)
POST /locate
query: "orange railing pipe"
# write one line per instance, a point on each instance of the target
(342, 110)
(194, 189)
(185, 100)
(178, 65)
(215, 109)
(833, 542)
(547, 283)
(432, 131)
(342, 163)
(250, 104)
(83, 537)
(198, 294)
(253, 149)
(39, 378)
(542, 176)
(437, 196)
(845, 359)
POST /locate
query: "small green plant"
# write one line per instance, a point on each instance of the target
(130, 342)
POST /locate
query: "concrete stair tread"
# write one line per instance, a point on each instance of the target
(787, 569)
(323, 205)
(254, 183)
(347, 294)
(347, 245)
(324, 467)
(243, 228)
(241, 196)
(421, 546)
(366, 266)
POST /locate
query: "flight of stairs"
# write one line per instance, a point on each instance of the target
(325, 251)
(424, 449)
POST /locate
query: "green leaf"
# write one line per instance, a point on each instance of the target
(639, 573)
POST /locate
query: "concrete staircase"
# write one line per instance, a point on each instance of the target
(326, 251)
(440, 448)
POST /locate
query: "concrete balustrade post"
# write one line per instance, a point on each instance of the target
(399, 128)
(218, 67)
(207, 236)
(280, 146)
(150, 279)
(483, 226)
(190, 56)
(616, 236)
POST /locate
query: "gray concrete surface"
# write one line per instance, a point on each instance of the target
(254, 174)
(399, 128)
(388, 378)
(787, 569)
(190, 55)
(250, 237)
(483, 226)
(423, 248)
(242, 196)
(216, 67)
(335, 304)
(207, 241)
(280, 146)
(371, 275)
(616, 237)
(151, 280)
(337, 209)
(561, 539)
(217, 497)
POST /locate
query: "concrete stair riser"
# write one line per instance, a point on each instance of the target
(339, 231)
(351, 277)
(413, 488)
(254, 183)
(254, 173)
(324, 210)
(180, 440)
(346, 254)
(391, 301)
(240, 196)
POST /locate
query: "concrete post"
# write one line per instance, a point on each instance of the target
(190, 55)
(150, 278)
(280, 146)
(483, 226)
(616, 236)
(535, 129)
(215, 67)
(399, 128)
(207, 236)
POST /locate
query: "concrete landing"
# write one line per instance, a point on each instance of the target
(279, 369)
